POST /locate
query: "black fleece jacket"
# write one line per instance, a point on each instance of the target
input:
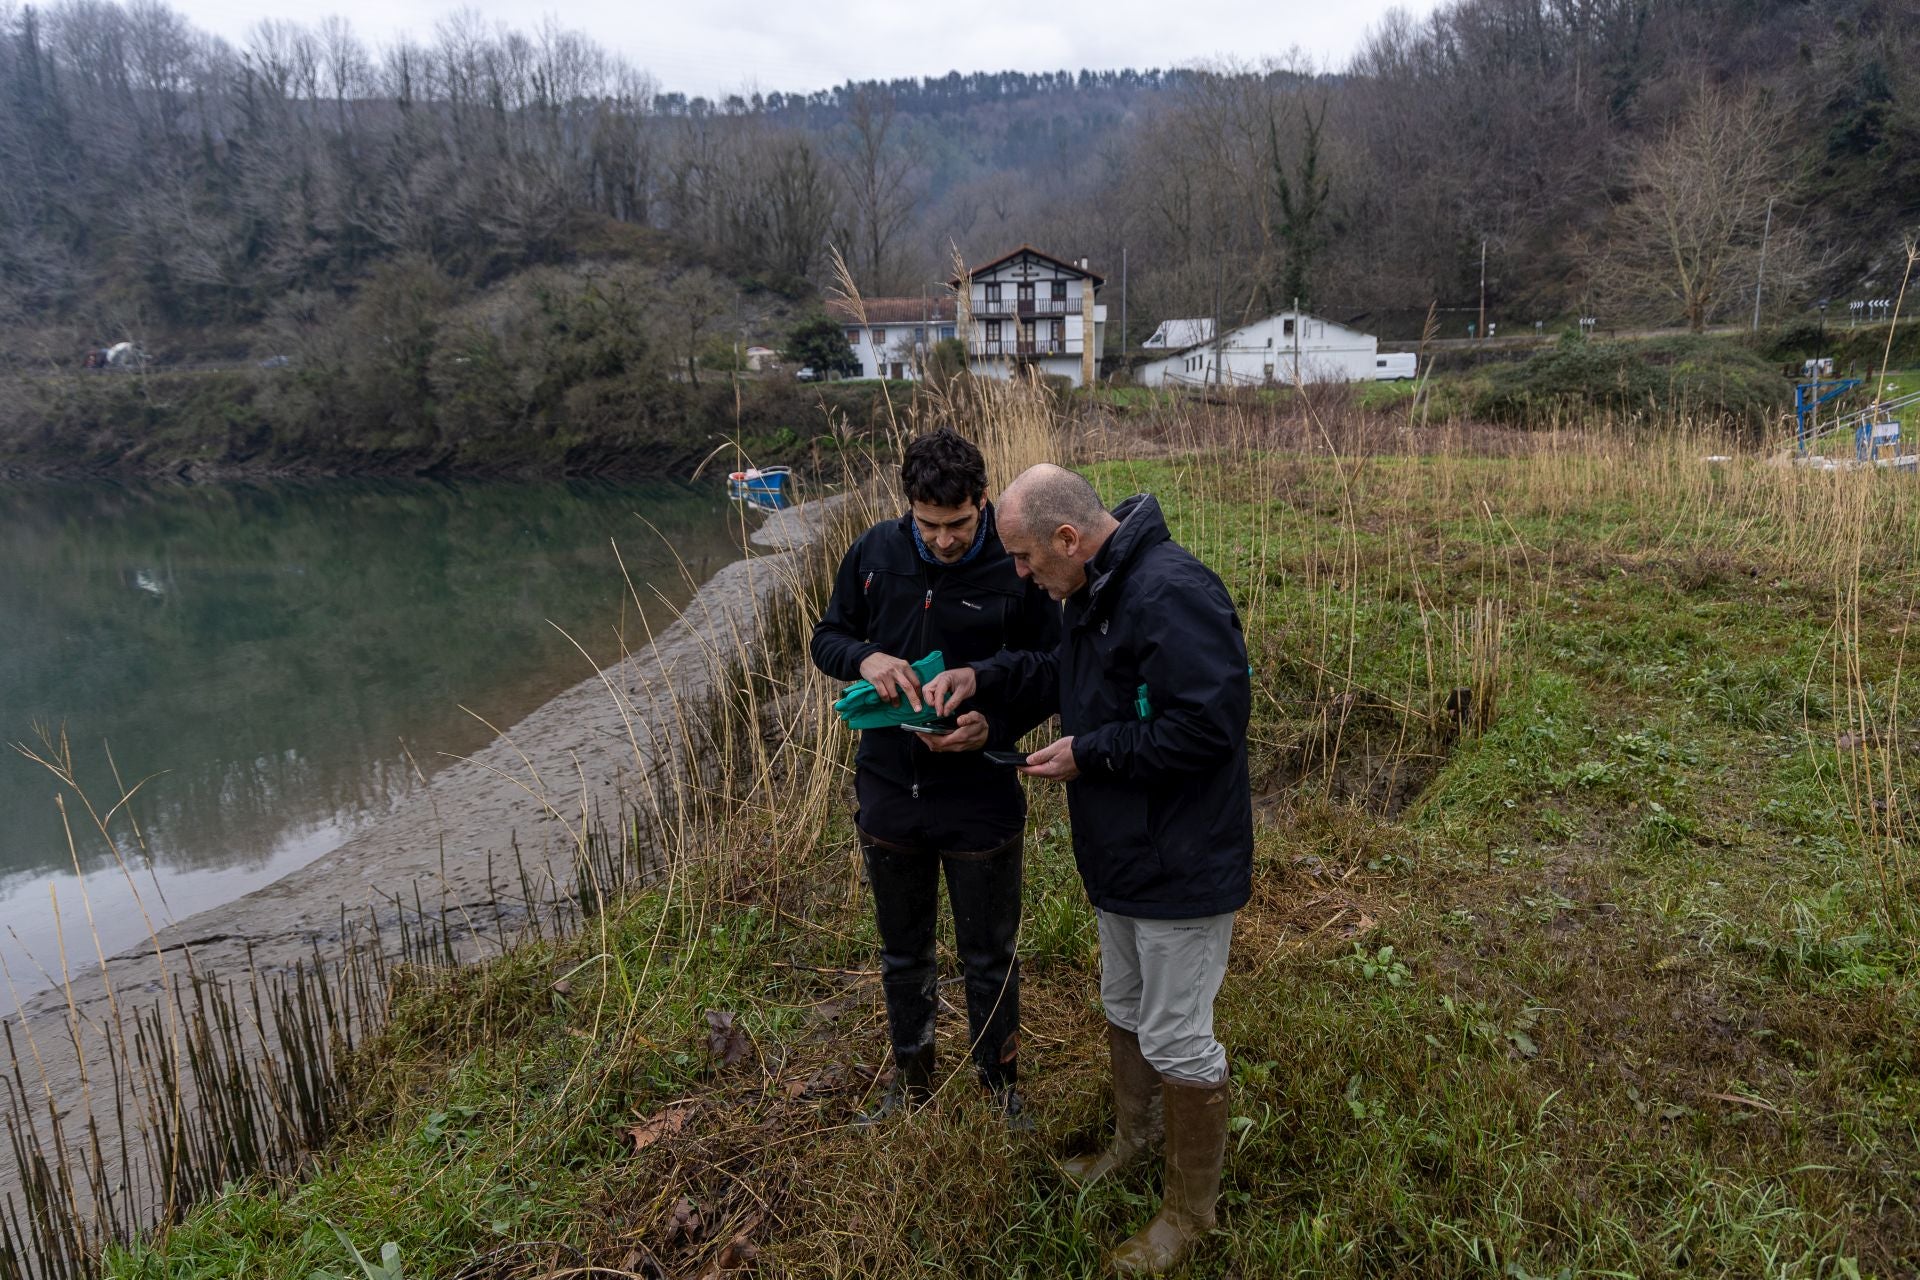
(1162, 810)
(888, 599)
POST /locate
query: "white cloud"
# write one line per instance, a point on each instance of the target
(715, 47)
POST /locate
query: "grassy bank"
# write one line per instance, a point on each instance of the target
(1583, 940)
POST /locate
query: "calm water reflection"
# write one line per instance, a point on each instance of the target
(276, 659)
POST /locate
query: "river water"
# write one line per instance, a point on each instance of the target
(238, 676)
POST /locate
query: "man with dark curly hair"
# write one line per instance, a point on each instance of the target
(932, 805)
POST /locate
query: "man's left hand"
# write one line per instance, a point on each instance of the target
(1054, 762)
(970, 735)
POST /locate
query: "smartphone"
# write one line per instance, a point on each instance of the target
(1015, 758)
(932, 728)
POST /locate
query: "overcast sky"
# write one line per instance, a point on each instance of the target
(715, 47)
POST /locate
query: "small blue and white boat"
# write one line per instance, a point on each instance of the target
(762, 488)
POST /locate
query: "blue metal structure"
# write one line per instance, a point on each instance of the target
(1808, 396)
(1878, 442)
(1875, 429)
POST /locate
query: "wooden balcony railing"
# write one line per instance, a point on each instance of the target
(1019, 347)
(1027, 307)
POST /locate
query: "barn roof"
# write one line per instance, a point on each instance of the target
(1004, 258)
(932, 309)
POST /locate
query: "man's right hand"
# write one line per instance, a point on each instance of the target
(891, 677)
(951, 689)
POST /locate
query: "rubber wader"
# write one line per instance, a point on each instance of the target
(1137, 1126)
(1196, 1147)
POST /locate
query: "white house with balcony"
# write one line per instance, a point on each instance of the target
(892, 336)
(1291, 347)
(1025, 310)
(1028, 310)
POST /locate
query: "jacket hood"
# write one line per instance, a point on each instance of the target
(1141, 526)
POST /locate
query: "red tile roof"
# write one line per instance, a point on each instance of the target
(932, 309)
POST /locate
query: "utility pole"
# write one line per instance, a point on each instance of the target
(1761, 277)
(1123, 306)
(1483, 289)
(1296, 341)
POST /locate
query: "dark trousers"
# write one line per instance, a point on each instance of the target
(984, 889)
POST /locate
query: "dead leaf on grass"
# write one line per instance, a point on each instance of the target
(1744, 1101)
(727, 1043)
(665, 1124)
(683, 1221)
(738, 1254)
(825, 1080)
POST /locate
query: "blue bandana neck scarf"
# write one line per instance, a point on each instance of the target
(979, 539)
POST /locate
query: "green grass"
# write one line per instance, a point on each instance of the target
(1611, 993)
(1387, 395)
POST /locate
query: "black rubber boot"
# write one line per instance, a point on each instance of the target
(1003, 1083)
(911, 1087)
(985, 892)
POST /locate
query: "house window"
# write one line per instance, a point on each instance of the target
(1379, 364)
(853, 337)
(1059, 290)
(1286, 328)
(947, 333)
(919, 335)
(1269, 339)
(993, 331)
(879, 337)
(993, 293)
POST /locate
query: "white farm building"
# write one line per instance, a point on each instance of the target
(1024, 311)
(891, 337)
(1286, 348)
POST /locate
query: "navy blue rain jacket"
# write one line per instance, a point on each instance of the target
(1162, 810)
(887, 599)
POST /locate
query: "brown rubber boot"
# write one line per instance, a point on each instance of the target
(1137, 1123)
(1196, 1148)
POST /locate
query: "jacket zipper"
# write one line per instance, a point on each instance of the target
(926, 613)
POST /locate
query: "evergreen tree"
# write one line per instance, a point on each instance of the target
(821, 341)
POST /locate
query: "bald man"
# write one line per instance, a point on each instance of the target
(1151, 682)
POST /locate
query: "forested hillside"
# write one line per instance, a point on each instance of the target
(1622, 156)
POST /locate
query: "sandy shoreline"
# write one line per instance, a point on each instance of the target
(461, 844)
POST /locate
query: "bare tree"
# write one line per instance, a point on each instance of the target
(695, 302)
(877, 176)
(1687, 241)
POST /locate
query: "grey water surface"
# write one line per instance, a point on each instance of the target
(238, 675)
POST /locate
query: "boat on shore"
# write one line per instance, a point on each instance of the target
(763, 488)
